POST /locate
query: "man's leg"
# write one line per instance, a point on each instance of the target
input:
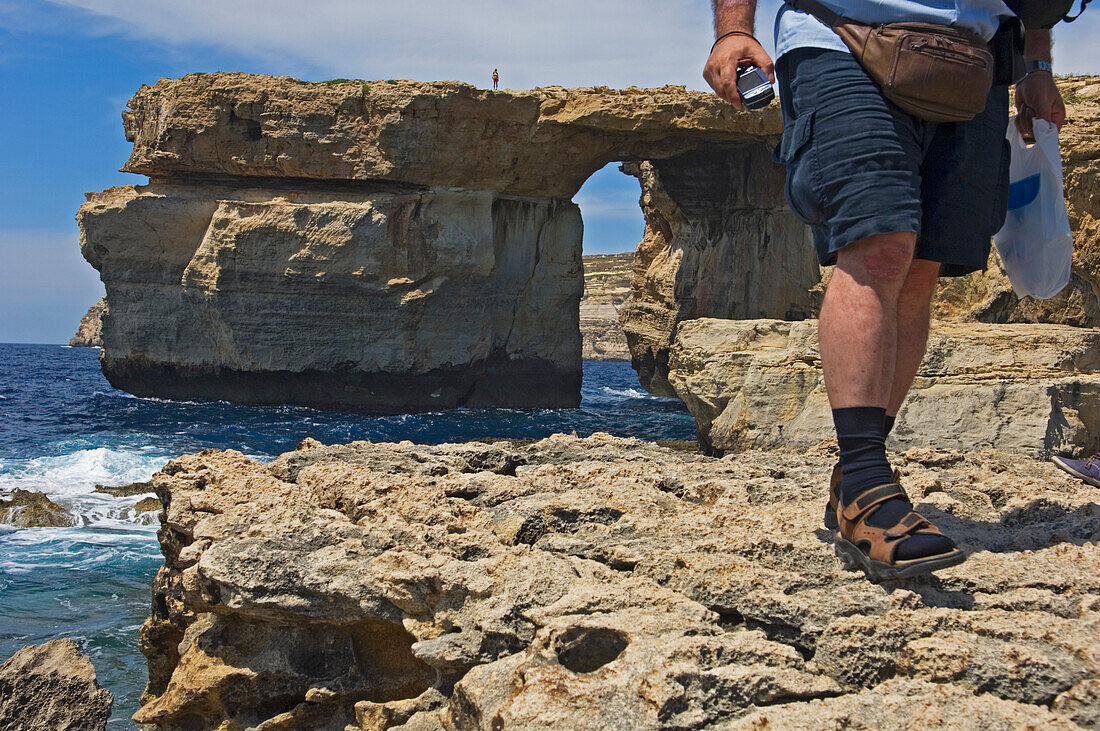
(858, 330)
(865, 360)
(858, 305)
(914, 307)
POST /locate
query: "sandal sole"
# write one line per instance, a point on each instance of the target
(854, 559)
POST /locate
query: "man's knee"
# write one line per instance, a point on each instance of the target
(884, 258)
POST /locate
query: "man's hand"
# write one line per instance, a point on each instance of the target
(729, 54)
(1037, 96)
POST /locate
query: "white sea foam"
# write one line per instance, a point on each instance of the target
(77, 473)
(28, 550)
(627, 393)
(70, 480)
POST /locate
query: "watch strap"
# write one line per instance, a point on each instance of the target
(1033, 66)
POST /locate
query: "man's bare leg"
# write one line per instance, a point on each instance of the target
(858, 330)
(869, 350)
(914, 307)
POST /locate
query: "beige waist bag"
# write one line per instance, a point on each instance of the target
(935, 72)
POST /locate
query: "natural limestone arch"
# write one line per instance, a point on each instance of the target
(400, 246)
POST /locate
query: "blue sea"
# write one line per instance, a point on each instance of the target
(63, 430)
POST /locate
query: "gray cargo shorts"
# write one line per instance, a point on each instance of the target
(858, 166)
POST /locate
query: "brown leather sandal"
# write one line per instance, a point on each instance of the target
(881, 544)
(834, 496)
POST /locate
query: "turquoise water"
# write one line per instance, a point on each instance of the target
(63, 430)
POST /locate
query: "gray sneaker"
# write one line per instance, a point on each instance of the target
(1083, 469)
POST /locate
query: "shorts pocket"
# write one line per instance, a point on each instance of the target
(796, 152)
(795, 136)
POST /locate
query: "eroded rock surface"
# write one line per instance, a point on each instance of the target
(52, 686)
(1033, 389)
(606, 287)
(572, 581)
(719, 242)
(538, 143)
(31, 509)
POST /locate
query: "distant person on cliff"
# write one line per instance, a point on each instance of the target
(496, 79)
(895, 202)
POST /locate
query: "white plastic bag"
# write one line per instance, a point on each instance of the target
(1036, 244)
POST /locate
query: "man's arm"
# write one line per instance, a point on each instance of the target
(1037, 95)
(735, 50)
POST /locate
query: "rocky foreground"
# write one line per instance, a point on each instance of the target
(609, 583)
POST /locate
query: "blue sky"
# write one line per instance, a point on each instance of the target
(68, 67)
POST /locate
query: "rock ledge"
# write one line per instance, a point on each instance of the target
(572, 581)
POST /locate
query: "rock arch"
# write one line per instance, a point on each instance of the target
(399, 246)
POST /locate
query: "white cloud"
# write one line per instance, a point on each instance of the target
(568, 42)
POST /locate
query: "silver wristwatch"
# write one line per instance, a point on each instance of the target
(1033, 66)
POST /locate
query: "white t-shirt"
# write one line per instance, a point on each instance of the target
(798, 30)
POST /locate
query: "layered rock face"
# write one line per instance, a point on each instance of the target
(52, 686)
(719, 242)
(1032, 389)
(588, 583)
(380, 246)
(385, 300)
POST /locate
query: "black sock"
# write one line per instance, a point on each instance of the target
(888, 425)
(861, 433)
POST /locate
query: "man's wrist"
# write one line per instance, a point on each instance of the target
(1031, 67)
(730, 34)
(1037, 46)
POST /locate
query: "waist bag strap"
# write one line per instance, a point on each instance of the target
(936, 72)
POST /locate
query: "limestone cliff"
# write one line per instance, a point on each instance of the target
(383, 246)
(89, 333)
(606, 287)
(605, 582)
(1031, 389)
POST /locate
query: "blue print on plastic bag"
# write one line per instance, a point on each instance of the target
(1023, 192)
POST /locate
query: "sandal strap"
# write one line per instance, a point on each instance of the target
(872, 498)
(910, 524)
(882, 543)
